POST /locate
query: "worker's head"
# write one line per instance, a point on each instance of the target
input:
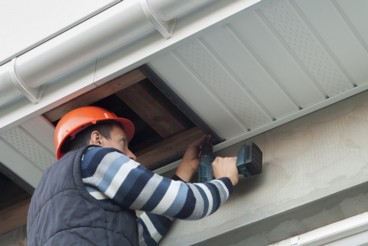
(92, 125)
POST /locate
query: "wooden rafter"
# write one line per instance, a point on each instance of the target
(155, 113)
(169, 147)
(97, 94)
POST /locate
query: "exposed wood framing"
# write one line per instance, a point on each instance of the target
(14, 216)
(158, 115)
(135, 90)
(101, 92)
(169, 147)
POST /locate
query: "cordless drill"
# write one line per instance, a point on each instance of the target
(248, 162)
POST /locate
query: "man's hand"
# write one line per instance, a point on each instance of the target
(225, 167)
(190, 162)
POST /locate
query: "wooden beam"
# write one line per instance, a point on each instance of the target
(173, 146)
(155, 112)
(14, 216)
(97, 94)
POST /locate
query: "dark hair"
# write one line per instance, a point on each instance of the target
(82, 138)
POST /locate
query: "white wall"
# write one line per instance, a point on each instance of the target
(315, 171)
(23, 23)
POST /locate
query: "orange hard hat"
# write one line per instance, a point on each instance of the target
(78, 119)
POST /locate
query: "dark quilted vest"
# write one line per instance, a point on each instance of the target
(63, 213)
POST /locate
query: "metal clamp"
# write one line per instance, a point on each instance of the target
(34, 95)
(166, 28)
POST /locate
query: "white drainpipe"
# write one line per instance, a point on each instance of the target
(114, 28)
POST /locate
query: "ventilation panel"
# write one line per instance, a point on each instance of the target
(270, 64)
(28, 147)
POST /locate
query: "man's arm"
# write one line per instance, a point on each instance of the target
(152, 227)
(134, 187)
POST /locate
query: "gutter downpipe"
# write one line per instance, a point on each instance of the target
(116, 27)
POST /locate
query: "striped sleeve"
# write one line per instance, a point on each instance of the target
(152, 227)
(133, 186)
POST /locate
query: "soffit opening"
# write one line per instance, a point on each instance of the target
(164, 124)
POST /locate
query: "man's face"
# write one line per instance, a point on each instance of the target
(118, 140)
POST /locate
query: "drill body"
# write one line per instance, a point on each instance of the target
(248, 162)
(205, 172)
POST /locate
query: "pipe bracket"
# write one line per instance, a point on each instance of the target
(166, 28)
(33, 94)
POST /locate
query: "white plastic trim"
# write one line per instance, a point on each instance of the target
(34, 95)
(90, 40)
(166, 28)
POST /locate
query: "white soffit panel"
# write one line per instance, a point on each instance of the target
(276, 60)
(236, 55)
(355, 14)
(42, 130)
(24, 154)
(271, 64)
(19, 164)
(305, 46)
(222, 84)
(29, 147)
(321, 16)
(197, 96)
(28, 150)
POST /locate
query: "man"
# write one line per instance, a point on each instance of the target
(89, 196)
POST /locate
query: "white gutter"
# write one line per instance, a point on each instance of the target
(114, 28)
(351, 231)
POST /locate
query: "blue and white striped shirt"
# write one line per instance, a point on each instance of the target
(109, 174)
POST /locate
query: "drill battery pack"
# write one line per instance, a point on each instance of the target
(249, 160)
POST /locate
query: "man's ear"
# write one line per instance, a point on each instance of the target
(95, 138)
